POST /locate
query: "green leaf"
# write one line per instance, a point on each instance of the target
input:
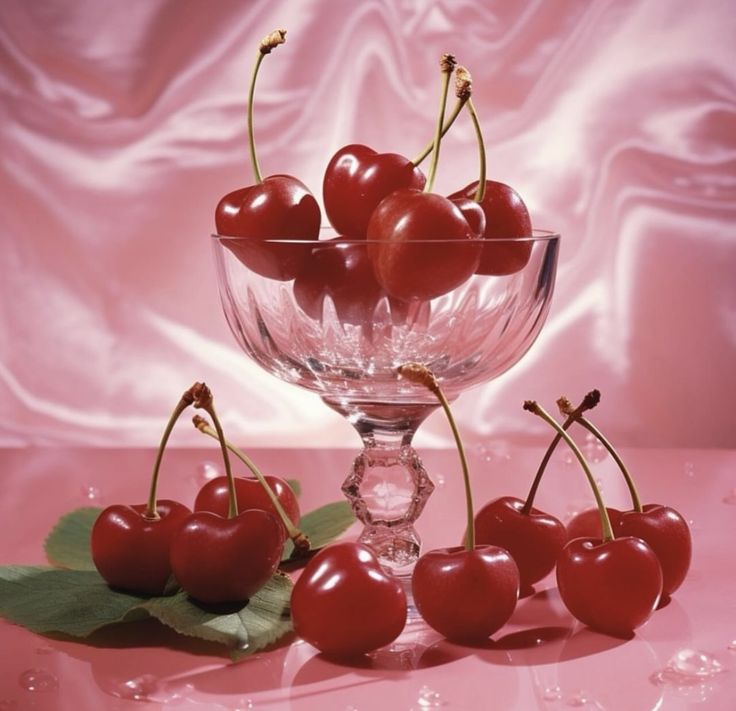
(323, 525)
(245, 629)
(68, 544)
(74, 602)
(78, 602)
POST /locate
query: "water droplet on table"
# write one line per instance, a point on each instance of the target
(552, 693)
(38, 680)
(593, 450)
(689, 469)
(439, 481)
(138, 689)
(730, 498)
(429, 699)
(91, 493)
(732, 645)
(688, 667)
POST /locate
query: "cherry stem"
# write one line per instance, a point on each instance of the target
(151, 512)
(588, 403)
(204, 401)
(419, 159)
(268, 43)
(420, 374)
(447, 64)
(581, 420)
(481, 189)
(301, 541)
(538, 410)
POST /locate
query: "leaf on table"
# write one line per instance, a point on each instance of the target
(73, 602)
(323, 525)
(245, 629)
(78, 602)
(68, 544)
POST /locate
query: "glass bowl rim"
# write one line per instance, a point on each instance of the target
(538, 235)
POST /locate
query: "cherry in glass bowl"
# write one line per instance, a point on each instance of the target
(336, 332)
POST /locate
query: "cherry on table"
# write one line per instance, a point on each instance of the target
(345, 604)
(130, 544)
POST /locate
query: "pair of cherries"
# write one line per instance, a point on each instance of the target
(420, 244)
(601, 551)
(217, 553)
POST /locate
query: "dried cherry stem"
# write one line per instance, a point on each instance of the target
(566, 409)
(532, 406)
(268, 43)
(204, 401)
(301, 541)
(420, 374)
(447, 65)
(151, 512)
(462, 91)
(462, 75)
(588, 403)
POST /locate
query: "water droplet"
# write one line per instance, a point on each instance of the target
(91, 492)
(138, 689)
(730, 498)
(732, 645)
(689, 469)
(429, 699)
(552, 693)
(245, 705)
(578, 699)
(439, 481)
(568, 458)
(38, 680)
(207, 471)
(688, 667)
(593, 450)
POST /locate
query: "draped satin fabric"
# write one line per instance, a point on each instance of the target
(122, 124)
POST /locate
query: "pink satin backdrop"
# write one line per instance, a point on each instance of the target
(121, 125)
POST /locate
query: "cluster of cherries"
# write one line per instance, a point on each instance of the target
(397, 239)
(225, 550)
(613, 568)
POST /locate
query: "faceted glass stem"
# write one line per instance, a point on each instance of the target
(388, 486)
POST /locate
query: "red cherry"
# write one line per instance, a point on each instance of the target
(668, 534)
(587, 524)
(217, 559)
(280, 207)
(345, 604)
(466, 595)
(533, 539)
(357, 179)
(506, 216)
(341, 270)
(214, 497)
(131, 551)
(406, 265)
(612, 586)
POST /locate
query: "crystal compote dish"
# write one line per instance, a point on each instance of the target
(313, 315)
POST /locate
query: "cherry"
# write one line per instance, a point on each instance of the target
(533, 538)
(345, 604)
(663, 528)
(130, 544)
(276, 207)
(217, 559)
(267, 493)
(357, 178)
(587, 524)
(340, 270)
(610, 584)
(468, 592)
(407, 263)
(505, 214)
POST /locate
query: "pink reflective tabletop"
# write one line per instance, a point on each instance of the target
(684, 657)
